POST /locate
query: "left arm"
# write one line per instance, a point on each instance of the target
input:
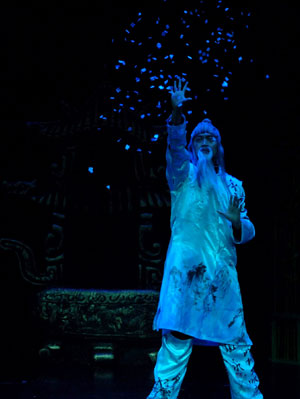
(243, 228)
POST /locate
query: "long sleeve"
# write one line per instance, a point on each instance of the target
(247, 227)
(178, 158)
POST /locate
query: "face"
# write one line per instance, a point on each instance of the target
(206, 143)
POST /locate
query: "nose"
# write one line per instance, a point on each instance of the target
(204, 141)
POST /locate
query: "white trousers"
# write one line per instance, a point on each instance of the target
(172, 361)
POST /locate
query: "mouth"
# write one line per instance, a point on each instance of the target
(205, 150)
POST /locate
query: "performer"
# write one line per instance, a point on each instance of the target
(200, 301)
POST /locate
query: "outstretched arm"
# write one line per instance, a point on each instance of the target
(178, 158)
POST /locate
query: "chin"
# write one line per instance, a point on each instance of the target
(207, 155)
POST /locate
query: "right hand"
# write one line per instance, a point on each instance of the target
(178, 95)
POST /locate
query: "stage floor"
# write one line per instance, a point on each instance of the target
(74, 381)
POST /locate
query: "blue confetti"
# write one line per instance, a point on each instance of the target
(159, 45)
(224, 84)
(127, 146)
(91, 169)
(108, 187)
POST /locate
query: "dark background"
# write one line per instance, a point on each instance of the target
(52, 56)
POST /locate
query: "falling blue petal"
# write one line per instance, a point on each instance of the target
(91, 169)
(127, 146)
(108, 187)
(159, 45)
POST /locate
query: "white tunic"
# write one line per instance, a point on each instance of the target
(200, 293)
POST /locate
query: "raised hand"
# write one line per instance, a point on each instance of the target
(178, 94)
(233, 212)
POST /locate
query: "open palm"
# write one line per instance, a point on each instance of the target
(178, 94)
(233, 213)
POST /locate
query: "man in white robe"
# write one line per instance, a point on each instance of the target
(200, 301)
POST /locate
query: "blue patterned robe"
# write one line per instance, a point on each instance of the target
(200, 293)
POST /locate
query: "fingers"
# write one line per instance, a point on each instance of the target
(178, 90)
(185, 87)
(235, 201)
